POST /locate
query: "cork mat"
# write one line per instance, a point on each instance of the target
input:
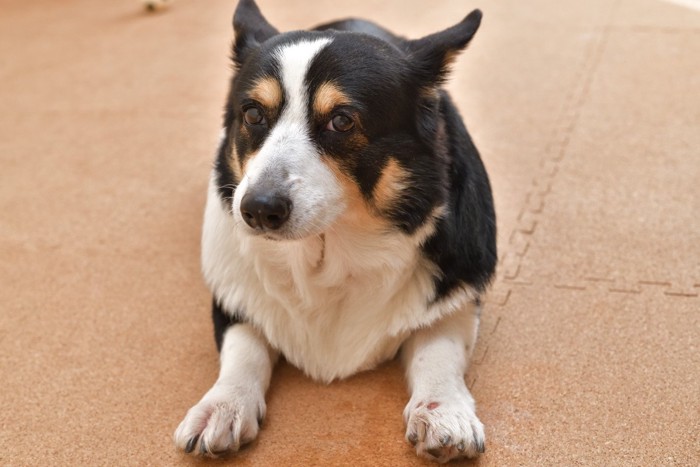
(586, 114)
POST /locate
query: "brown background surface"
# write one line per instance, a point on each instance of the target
(587, 115)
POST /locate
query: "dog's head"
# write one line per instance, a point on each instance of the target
(324, 127)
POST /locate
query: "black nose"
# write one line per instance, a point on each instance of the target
(265, 211)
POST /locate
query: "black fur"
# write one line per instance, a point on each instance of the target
(258, 64)
(372, 72)
(464, 244)
(225, 179)
(364, 27)
(392, 83)
(433, 54)
(251, 29)
(222, 321)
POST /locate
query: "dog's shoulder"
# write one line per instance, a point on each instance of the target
(463, 245)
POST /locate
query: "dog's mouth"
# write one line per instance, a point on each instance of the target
(321, 237)
(278, 237)
(271, 237)
(282, 234)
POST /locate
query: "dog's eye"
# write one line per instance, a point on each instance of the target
(341, 123)
(253, 116)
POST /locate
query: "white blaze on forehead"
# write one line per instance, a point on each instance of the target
(295, 60)
(288, 142)
(289, 160)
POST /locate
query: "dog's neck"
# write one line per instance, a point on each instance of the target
(343, 255)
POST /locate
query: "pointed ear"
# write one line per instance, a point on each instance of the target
(432, 55)
(251, 29)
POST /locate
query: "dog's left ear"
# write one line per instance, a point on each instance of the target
(432, 55)
(251, 29)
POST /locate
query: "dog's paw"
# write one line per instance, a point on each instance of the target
(444, 428)
(225, 419)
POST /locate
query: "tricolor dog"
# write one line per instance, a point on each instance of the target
(349, 220)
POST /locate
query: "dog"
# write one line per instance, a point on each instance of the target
(349, 219)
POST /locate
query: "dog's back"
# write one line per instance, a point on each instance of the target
(364, 27)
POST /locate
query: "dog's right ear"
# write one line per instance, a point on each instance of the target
(251, 29)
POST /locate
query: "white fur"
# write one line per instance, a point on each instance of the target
(229, 413)
(440, 417)
(290, 159)
(334, 305)
(339, 299)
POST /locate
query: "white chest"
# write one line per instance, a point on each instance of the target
(333, 305)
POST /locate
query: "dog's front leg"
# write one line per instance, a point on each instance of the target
(440, 418)
(231, 412)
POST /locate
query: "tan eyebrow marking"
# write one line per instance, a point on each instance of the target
(328, 96)
(268, 92)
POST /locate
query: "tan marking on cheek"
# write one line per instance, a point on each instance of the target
(329, 96)
(235, 162)
(239, 165)
(392, 182)
(357, 212)
(357, 140)
(268, 92)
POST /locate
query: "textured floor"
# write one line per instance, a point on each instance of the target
(587, 115)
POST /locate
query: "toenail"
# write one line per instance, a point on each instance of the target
(191, 444)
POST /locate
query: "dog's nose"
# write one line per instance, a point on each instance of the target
(265, 211)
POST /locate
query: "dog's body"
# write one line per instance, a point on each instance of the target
(348, 216)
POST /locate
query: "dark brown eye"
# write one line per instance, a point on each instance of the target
(253, 116)
(341, 123)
